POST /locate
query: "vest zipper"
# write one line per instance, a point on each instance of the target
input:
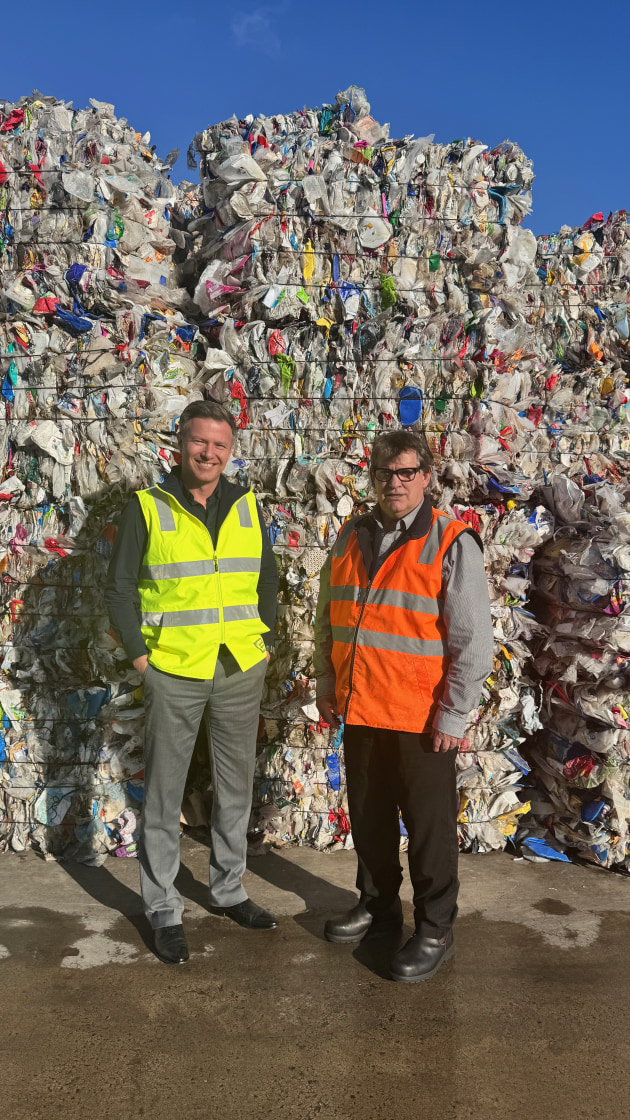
(354, 647)
(215, 560)
(219, 597)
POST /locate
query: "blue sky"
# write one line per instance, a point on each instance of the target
(549, 75)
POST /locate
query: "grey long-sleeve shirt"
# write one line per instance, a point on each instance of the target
(466, 616)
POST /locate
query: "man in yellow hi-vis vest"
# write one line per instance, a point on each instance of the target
(195, 552)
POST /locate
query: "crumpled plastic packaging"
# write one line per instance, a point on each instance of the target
(582, 758)
(324, 282)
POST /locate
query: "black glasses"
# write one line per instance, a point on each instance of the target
(405, 474)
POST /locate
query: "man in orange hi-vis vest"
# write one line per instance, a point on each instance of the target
(403, 644)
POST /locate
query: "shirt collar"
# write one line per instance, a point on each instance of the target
(403, 523)
(214, 497)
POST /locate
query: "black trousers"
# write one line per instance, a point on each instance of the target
(391, 770)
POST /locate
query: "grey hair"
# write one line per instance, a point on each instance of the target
(389, 445)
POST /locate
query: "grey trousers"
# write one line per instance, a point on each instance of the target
(175, 707)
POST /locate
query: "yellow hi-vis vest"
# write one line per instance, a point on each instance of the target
(195, 597)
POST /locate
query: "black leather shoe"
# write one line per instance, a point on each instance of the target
(170, 944)
(421, 957)
(246, 914)
(356, 923)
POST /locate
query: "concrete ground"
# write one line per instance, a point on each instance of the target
(530, 1019)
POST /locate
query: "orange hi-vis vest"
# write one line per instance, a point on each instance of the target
(390, 652)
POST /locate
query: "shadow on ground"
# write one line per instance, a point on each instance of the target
(105, 888)
(319, 896)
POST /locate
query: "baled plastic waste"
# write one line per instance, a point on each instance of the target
(324, 282)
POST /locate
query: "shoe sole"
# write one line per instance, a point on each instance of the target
(337, 939)
(427, 975)
(254, 929)
(163, 960)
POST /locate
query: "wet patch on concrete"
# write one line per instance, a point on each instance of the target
(286, 1026)
(553, 906)
(94, 941)
(38, 936)
(558, 924)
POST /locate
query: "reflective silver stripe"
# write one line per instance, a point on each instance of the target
(339, 546)
(244, 516)
(164, 511)
(396, 643)
(237, 614)
(240, 564)
(151, 618)
(180, 570)
(432, 543)
(385, 596)
(207, 617)
(345, 594)
(388, 597)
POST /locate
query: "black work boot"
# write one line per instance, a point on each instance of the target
(421, 957)
(356, 923)
(170, 944)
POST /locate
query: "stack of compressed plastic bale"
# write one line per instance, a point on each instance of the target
(330, 283)
(350, 283)
(581, 758)
(493, 769)
(97, 358)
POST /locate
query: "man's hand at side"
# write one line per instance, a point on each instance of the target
(327, 708)
(140, 664)
(442, 742)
